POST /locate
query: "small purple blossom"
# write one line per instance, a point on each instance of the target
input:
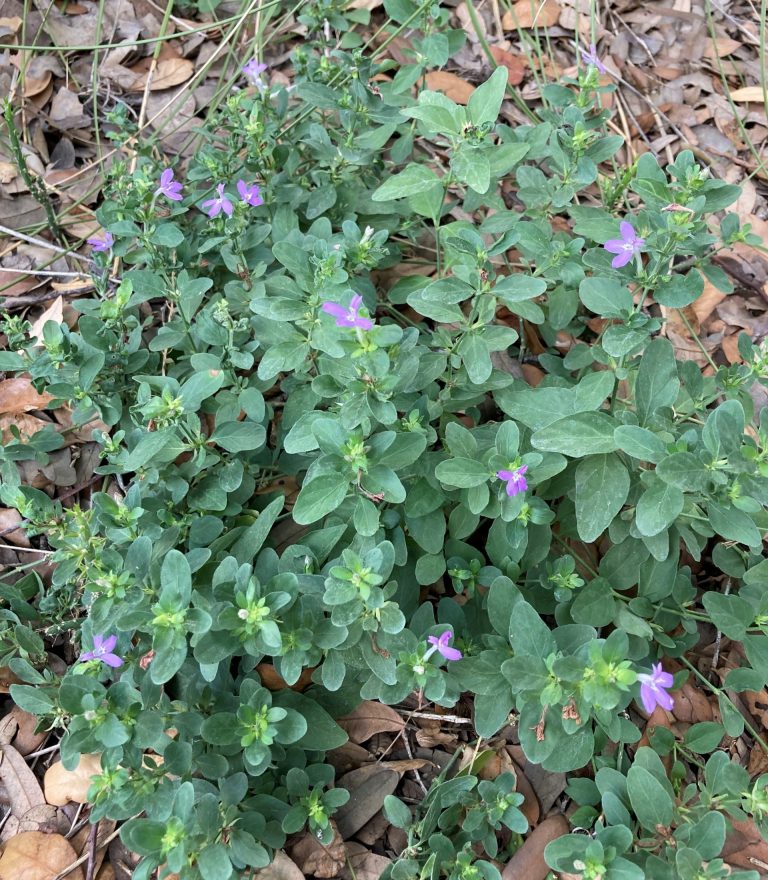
(102, 650)
(250, 194)
(515, 479)
(653, 688)
(591, 57)
(102, 245)
(213, 207)
(169, 187)
(440, 644)
(253, 70)
(350, 316)
(626, 247)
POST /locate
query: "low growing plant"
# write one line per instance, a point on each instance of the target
(441, 540)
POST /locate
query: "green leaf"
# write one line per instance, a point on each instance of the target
(581, 434)
(657, 383)
(732, 615)
(704, 737)
(412, 179)
(650, 800)
(239, 436)
(213, 862)
(733, 524)
(167, 235)
(602, 486)
(605, 297)
(684, 470)
(680, 290)
(658, 508)
(462, 472)
(397, 813)
(640, 443)
(319, 497)
(471, 166)
(252, 539)
(485, 102)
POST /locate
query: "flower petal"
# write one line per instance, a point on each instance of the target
(627, 231)
(450, 653)
(334, 309)
(621, 260)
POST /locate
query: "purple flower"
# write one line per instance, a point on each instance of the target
(102, 650)
(653, 688)
(348, 317)
(102, 245)
(591, 57)
(169, 187)
(441, 646)
(515, 479)
(249, 194)
(221, 203)
(253, 70)
(628, 246)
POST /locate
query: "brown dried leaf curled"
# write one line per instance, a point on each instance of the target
(63, 786)
(33, 855)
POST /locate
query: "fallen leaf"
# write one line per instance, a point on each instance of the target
(452, 86)
(748, 93)
(313, 857)
(26, 738)
(282, 868)
(67, 111)
(169, 72)
(531, 13)
(17, 395)
(528, 862)
(25, 424)
(20, 782)
(35, 85)
(515, 64)
(370, 718)
(33, 855)
(362, 864)
(273, 681)
(44, 817)
(11, 517)
(54, 312)
(367, 787)
(63, 786)
(721, 47)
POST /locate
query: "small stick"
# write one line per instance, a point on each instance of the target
(90, 868)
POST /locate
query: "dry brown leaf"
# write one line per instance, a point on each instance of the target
(54, 312)
(313, 857)
(370, 718)
(10, 517)
(66, 110)
(747, 94)
(33, 855)
(25, 424)
(22, 731)
(20, 782)
(35, 85)
(515, 64)
(63, 786)
(452, 86)
(691, 705)
(404, 765)
(745, 847)
(528, 862)
(721, 47)
(273, 681)
(531, 13)
(282, 868)
(362, 864)
(707, 302)
(730, 347)
(18, 396)
(170, 72)
(10, 25)
(367, 787)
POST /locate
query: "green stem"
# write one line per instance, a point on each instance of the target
(34, 185)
